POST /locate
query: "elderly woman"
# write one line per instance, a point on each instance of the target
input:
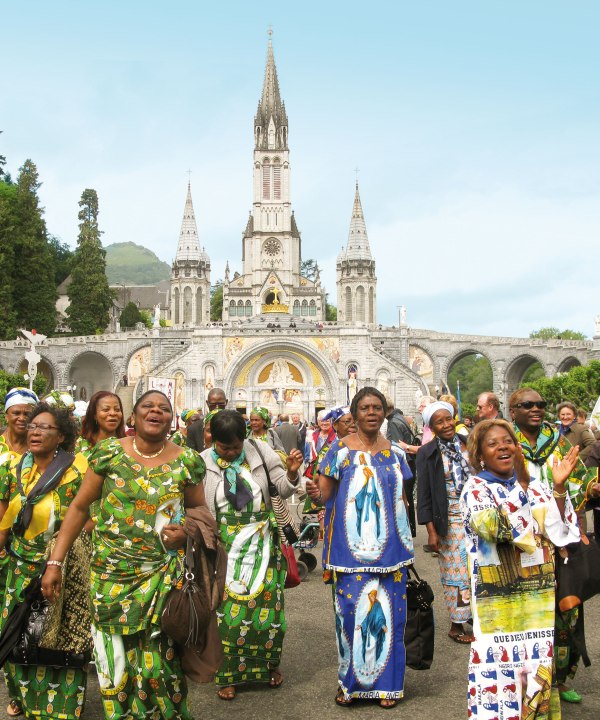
(103, 419)
(144, 483)
(260, 428)
(40, 486)
(367, 544)
(251, 618)
(17, 407)
(443, 469)
(179, 437)
(544, 449)
(573, 430)
(513, 522)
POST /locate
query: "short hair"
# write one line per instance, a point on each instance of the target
(515, 398)
(89, 424)
(227, 426)
(364, 392)
(475, 439)
(390, 403)
(450, 399)
(284, 417)
(66, 425)
(566, 404)
(582, 412)
(215, 391)
(143, 396)
(491, 399)
(320, 414)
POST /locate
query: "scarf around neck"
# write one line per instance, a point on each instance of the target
(236, 490)
(459, 467)
(490, 477)
(547, 440)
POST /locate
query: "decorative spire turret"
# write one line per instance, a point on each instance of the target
(358, 241)
(188, 247)
(271, 123)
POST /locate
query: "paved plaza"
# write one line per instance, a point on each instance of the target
(310, 662)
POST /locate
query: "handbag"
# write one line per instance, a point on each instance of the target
(578, 573)
(419, 633)
(187, 610)
(21, 636)
(288, 528)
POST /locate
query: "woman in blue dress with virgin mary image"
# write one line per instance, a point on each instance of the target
(367, 546)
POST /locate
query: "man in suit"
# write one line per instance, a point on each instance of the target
(216, 400)
(289, 435)
(300, 426)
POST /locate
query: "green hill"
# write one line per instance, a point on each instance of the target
(134, 265)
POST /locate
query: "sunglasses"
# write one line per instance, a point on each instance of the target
(529, 404)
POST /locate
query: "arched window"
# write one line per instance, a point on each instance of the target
(348, 304)
(296, 307)
(176, 306)
(188, 318)
(232, 308)
(360, 304)
(198, 306)
(304, 307)
(276, 181)
(240, 308)
(371, 305)
(248, 308)
(266, 179)
(312, 308)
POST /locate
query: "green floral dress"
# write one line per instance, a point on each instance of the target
(42, 692)
(131, 574)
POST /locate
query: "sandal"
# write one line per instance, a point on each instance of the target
(461, 638)
(227, 693)
(342, 700)
(14, 709)
(276, 678)
(388, 703)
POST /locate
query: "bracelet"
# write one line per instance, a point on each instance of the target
(560, 496)
(58, 563)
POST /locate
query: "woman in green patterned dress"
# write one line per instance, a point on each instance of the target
(49, 478)
(179, 437)
(143, 482)
(251, 618)
(103, 419)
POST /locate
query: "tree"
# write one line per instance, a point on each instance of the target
(9, 381)
(34, 290)
(309, 269)
(63, 259)
(330, 312)
(130, 316)
(552, 333)
(581, 386)
(90, 298)
(475, 376)
(216, 302)
(8, 316)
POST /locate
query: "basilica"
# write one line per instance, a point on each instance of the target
(274, 346)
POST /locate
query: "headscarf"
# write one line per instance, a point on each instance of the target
(20, 396)
(264, 414)
(60, 399)
(336, 412)
(210, 415)
(235, 488)
(186, 414)
(429, 410)
(81, 407)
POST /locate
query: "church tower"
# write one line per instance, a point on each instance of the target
(270, 281)
(355, 273)
(190, 274)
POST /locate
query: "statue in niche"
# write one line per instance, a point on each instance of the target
(352, 383)
(280, 374)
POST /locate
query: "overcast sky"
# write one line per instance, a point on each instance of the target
(475, 128)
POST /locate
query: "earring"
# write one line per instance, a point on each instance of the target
(482, 464)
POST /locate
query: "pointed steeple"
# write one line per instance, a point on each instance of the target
(188, 247)
(358, 241)
(270, 123)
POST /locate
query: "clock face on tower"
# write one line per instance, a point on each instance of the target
(272, 247)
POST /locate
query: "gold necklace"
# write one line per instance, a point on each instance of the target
(369, 450)
(148, 457)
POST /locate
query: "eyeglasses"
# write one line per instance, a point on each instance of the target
(528, 404)
(217, 406)
(42, 427)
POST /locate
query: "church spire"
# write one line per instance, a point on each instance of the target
(270, 122)
(358, 241)
(188, 247)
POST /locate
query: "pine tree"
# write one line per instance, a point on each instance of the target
(34, 292)
(89, 295)
(8, 320)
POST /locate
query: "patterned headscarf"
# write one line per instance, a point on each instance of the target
(20, 396)
(59, 399)
(264, 414)
(187, 414)
(210, 415)
(335, 413)
(459, 467)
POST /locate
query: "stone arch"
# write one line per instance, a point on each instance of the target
(459, 354)
(516, 369)
(46, 368)
(92, 371)
(568, 363)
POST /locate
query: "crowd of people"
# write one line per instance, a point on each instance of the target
(101, 509)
